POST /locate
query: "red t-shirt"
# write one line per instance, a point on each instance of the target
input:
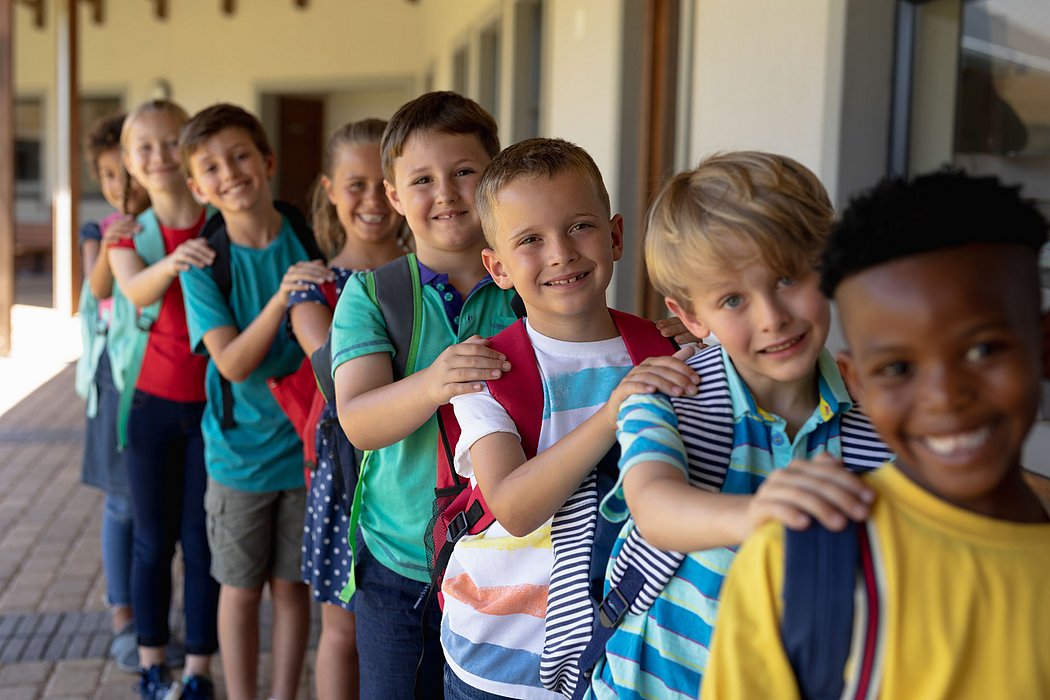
(170, 369)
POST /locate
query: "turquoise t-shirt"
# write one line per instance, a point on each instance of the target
(398, 480)
(262, 452)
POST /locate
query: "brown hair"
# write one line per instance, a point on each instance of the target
(765, 202)
(440, 112)
(218, 117)
(329, 232)
(533, 158)
(103, 136)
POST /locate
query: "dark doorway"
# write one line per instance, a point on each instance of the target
(300, 138)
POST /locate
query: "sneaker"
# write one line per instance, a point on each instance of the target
(197, 688)
(155, 684)
(124, 649)
(174, 652)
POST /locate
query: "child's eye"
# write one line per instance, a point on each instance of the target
(893, 369)
(786, 281)
(732, 301)
(355, 186)
(465, 171)
(424, 180)
(526, 240)
(980, 351)
(581, 225)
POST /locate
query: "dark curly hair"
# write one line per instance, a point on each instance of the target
(898, 218)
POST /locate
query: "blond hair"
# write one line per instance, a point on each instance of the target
(166, 106)
(701, 221)
(530, 159)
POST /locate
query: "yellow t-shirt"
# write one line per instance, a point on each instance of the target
(966, 605)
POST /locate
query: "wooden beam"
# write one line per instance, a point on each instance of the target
(98, 10)
(301, 4)
(7, 174)
(65, 268)
(160, 9)
(229, 7)
(37, 6)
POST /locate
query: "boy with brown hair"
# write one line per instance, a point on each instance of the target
(255, 498)
(938, 284)
(434, 150)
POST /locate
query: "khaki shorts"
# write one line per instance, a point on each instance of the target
(254, 536)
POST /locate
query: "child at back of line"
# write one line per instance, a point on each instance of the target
(162, 400)
(434, 150)
(553, 239)
(357, 229)
(103, 466)
(937, 281)
(733, 246)
(256, 496)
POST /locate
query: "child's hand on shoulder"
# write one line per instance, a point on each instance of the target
(817, 489)
(674, 328)
(192, 253)
(667, 375)
(461, 368)
(121, 229)
(301, 275)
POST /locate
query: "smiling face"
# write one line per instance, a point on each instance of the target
(111, 178)
(773, 327)
(434, 181)
(555, 244)
(229, 172)
(945, 356)
(356, 191)
(151, 152)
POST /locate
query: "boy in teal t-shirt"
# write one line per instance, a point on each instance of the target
(256, 496)
(434, 151)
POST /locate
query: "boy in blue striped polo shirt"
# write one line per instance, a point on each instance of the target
(733, 245)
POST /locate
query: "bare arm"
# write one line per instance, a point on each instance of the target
(144, 285)
(310, 323)
(237, 355)
(525, 494)
(376, 411)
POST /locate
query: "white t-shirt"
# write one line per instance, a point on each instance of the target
(495, 586)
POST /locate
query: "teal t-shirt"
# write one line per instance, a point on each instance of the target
(398, 480)
(262, 452)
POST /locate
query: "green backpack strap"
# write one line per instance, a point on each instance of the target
(395, 289)
(93, 341)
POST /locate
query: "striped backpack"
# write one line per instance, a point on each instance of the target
(641, 571)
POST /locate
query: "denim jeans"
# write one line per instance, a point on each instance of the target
(456, 689)
(117, 533)
(391, 638)
(165, 463)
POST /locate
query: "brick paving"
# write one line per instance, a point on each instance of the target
(54, 628)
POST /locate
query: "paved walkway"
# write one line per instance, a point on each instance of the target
(54, 629)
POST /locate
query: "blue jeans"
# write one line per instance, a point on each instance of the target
(117, 533)
(165, 463)
(391, 639)
(456, 689)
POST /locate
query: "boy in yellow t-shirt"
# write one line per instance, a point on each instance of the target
(937, 281)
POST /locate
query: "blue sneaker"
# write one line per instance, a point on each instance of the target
(155, 684)
(197, 688)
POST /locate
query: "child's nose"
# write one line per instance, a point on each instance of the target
(943, 388)
(773, 314)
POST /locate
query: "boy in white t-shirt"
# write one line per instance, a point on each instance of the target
(546, 216)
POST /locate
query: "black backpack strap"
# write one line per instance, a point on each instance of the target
(820, 579)
(301, 228)
(214, 232)
(396, 291)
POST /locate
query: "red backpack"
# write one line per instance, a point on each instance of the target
(460, 509)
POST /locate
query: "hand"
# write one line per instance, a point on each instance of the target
(819, 488)
(121, 229)
(461, 368)
(668, 375)
(192, 253)
(673, 327)
(301, 275)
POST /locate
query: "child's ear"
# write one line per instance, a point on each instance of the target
(271, 165)
(848, 370)
(688, 319)
(326, 184)
(391, 194)
(498, 271)
(195, 190)
(616, 225)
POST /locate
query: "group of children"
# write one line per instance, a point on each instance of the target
(743, 442)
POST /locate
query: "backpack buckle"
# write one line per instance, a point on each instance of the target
(457, 527)
(144, 323)
(612, 608)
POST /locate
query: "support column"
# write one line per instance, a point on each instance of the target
(65, 268)
(7, 174)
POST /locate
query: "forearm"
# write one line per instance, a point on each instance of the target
(675, 516)
(386, 414)
(100, 281)
(530, 494)
(244, 352)
(142, 285)
(310, 323)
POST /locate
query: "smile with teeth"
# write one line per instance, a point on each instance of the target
(371, 218)
(780, 347)
(449, 215)
(567, 280)
(957, 442)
